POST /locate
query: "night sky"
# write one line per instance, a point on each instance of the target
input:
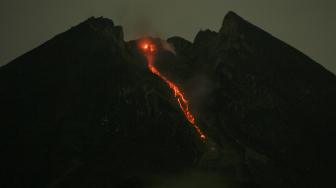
(308, 25)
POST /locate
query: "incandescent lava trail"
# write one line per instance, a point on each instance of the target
(149, 48)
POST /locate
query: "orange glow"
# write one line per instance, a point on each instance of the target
(149, 48)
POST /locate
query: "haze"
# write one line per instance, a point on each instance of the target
(307, 25)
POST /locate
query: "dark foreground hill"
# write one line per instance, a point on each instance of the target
(83, 110)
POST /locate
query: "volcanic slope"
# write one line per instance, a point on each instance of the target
(83, 110)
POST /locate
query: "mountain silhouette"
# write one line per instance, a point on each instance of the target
(83, 110)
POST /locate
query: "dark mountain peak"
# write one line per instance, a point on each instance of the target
(239, 34)
(180, 44)
(232, 23)
(232, 16)
(94, 35)
(204, 35)
(100, 21)
(204, 42)
(177, 39)
(102, 26)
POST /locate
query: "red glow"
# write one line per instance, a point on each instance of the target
(149, 48)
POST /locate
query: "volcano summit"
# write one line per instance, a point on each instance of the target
(233, 108)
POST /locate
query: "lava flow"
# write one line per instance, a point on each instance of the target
(149, 49)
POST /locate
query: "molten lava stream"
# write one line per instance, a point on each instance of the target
(149, 49)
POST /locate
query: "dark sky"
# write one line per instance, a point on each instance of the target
(308, 25)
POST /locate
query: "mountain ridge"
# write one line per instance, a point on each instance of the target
(83, 110)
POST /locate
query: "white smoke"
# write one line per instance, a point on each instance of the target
(167, 46)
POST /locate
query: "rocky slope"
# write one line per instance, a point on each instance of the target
(274, 101)
(83, 110)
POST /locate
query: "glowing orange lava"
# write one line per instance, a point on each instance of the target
(149, 48)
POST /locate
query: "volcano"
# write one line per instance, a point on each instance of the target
(88, 109)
